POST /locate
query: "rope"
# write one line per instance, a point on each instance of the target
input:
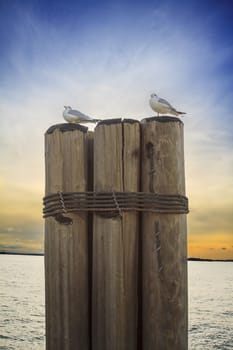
(73, 202)
(117, 205)
(62, 202)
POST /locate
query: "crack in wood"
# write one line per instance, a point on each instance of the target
(150, 154)
(158, 246)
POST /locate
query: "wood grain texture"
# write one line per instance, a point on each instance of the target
(164, 265)
(115, 239)
(66, 246)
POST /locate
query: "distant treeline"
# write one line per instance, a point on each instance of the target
(18, 253)
(199, 259)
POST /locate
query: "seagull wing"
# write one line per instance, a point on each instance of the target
(77, 114)
(165, 102)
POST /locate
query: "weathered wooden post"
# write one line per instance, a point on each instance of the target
(66, 244)
(116, 278)
(164, 264)
(115, 238)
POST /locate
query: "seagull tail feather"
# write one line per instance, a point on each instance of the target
(181, 112)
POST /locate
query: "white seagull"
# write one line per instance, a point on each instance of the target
(75, 117)
(160, 105)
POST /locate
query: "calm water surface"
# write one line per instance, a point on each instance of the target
(210, 305)
(22, 304)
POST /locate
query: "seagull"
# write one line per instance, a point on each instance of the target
(160, 105)
(75, 117)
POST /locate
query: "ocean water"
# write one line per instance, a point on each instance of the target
(22, 302)
(22, 324)
(210, 305)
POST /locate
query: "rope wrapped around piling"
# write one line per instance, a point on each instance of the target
(74, 202)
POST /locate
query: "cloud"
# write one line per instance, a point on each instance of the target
(10, 247)
(211, 219)
(27, 238)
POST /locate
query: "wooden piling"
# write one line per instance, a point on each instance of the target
(164, 264)
(115, 238)
(66, 246)
(116, 280)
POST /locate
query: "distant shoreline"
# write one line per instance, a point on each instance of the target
(189, 259)
(209, 260)
(17, 253)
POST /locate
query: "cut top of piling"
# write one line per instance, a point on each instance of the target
(71, 127)
(66, 127)
(117, 121)
(162, 119)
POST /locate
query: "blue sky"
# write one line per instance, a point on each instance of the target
(105, 59)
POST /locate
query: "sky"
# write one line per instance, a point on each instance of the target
(105, 58)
